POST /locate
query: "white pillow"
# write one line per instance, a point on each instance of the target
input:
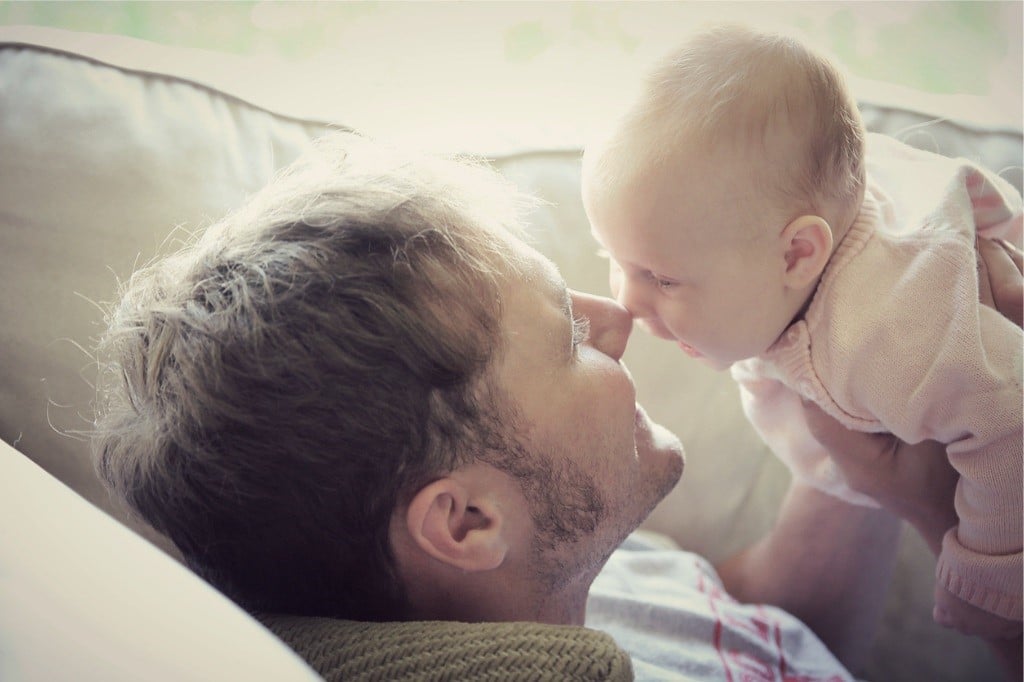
(84, 598)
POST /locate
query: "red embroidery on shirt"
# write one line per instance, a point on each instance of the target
(750, 669)
(778, 648)
(740, 666)
(716, 638)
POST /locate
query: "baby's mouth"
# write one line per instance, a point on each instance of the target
(690, 350)
(655, 329)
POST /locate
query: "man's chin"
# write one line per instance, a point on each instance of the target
(660, 451)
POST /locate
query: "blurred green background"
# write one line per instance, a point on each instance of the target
(904, 42)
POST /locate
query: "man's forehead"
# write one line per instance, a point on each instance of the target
(541, 274)
(553, 285)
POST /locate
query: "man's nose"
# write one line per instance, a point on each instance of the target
(610, 323)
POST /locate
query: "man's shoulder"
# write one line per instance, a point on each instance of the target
(668, 609)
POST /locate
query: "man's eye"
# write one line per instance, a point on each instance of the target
(580, 331)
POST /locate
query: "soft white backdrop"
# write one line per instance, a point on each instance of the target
(485, 76)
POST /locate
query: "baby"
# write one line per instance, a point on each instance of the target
(750, 219)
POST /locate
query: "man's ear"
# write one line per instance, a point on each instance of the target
(453, 526)
(807, 245)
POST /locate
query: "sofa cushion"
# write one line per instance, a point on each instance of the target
(98, 165)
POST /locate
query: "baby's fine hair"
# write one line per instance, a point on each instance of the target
(270, 392)
(730, 84)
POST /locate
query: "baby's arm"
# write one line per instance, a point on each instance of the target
(944, 369)
(1001, 286)
(918, 485)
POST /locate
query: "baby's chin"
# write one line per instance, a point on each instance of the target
(660, 333)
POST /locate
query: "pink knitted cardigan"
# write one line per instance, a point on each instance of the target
(895, 340)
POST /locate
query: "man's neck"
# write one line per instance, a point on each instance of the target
(500, 598)
(570, 609)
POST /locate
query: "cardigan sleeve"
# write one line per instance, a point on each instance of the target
(962, 389)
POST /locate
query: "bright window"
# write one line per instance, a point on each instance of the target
(545, 65)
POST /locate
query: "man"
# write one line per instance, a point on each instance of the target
(363, 396)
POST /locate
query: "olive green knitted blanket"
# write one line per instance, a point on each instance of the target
(419, 651)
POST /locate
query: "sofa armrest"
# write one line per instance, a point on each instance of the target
(81, 595)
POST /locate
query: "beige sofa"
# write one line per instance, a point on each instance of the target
(108, 146)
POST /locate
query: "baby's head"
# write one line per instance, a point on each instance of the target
(722, 191)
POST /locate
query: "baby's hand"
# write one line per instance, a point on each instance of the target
(952, 612)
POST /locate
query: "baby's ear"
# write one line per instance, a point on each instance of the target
(807, 247)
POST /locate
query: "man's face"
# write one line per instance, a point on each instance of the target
(604, 464)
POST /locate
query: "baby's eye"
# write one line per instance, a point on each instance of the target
(662, 282)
